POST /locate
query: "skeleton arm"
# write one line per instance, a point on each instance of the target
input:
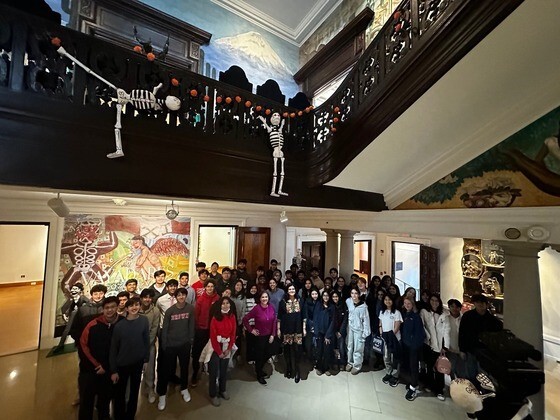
(263, 119)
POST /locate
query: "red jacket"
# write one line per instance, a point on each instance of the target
(202, 310)
(226, 328)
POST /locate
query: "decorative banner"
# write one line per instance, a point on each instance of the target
(112, 249)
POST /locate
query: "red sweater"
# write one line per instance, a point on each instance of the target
(202, 310)
(198, 287)
(224, 328)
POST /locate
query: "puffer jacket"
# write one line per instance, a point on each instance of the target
(437, 329)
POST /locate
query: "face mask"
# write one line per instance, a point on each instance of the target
(225, 312)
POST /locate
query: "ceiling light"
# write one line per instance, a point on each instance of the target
(58, 206)
(283, 217)
(119, 202)
(171, 212)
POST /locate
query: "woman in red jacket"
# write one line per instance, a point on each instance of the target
(222, 337)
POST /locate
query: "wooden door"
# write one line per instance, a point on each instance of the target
(429, 269)
(314, 254)
(253, 244)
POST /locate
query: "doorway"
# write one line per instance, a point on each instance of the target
(23, 254)
(253, 244)
(362, 258)
(314, 254)
(217, 243)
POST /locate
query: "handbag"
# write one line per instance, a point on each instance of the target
(378, 344)
(443, 365)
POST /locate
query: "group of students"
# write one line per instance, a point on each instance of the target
(333, 323)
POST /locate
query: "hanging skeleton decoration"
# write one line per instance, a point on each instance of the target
(276, 139)
(139, 98)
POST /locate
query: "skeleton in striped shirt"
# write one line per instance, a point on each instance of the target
(276, 139)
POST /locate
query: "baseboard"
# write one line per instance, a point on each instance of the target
(551, 346)
(22, 283)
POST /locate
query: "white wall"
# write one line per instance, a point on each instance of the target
(451, 275)
(549, 269)
(22, 252)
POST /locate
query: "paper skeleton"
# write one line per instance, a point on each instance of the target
(139, 98)
(276, 139)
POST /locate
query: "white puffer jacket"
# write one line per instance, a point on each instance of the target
(437, 329)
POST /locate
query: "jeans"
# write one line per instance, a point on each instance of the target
(169, 366)
(91, 385)
(217, 368)
(132, 373)
(410, 364)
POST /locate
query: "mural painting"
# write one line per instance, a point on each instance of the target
(112, 249)
(521, 171)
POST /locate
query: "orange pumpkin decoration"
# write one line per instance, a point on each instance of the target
(335, 119)
(174, 82)
(137, 48)
(194, 93)
(398, 27)
(206, 98)
(258, 108)
(267, 112)
(333, 129)
(228, 100)
(151, 56)
(248, 104)
(219, 100)
(238, 99)
(397, 15)
(336, 109)
(56, 41)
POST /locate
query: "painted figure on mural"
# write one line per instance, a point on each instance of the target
(147, 261)
(83, 252)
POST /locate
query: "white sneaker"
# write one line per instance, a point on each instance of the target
(186, 395)
(161, 403)
(441, 397)
(151, 396)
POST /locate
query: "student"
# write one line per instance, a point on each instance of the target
(390, 320)
(251, 301)
(333, 273)
(200, 284)
(123, 298)
(130, 286)
(159, 286)
(273, 267)
(455, 317)
(308, 311)
(386, 281)
(94, 378)
(184, 283)
(375, 284)
(262, 283)
(288, 279)
(130, 351)
(240, 301)
(148, 310)
(300, 280)
(200, 266)
(291, 330)
(340, 328)
(275, 294)
(214, 275)
(305, 291)
(224, 282)
(260, 272)
(317, 282)
(202, 326)
(323, 334)
(264, 330)
(88, 312)
(374, 301)
(436, 327)
(342, 289)
(412, 331)
(242, 272)
(167, 300)
(223, 326)
(177, 335)
(358, 330)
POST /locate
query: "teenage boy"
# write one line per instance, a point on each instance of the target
(123, 298)
(159, 286)
(88, 312)
(242, 272)
(168, 300)
(130, 286)
(202, 325)
(358, 330)
(214, 275)
(184, 283)
(149, 310)
(177, 335)
(224, 283)
(199, 285)
(317, 282)
(273, 267)
(94, 378)
(455, 317)
(130, 352)
(200, 266)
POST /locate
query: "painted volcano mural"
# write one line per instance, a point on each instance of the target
(521, 171)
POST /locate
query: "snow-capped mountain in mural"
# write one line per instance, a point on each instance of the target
(254, 54)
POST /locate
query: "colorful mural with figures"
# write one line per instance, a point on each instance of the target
(521, 171)
(112, 249)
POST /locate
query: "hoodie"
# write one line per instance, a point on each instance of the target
(202, 310)
(358, 318)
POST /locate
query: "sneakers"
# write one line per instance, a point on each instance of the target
(216, 402)
(225, 396)
(194, 382)
(348, 367)
(393, 381)
(386, 379)
(441, 397)
(328, 373)
(186, 395)
(318, 372)
(151, 396)
(355, 371)
(161, 403)
(411, 394)
(261, 380)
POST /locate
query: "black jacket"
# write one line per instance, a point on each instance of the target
(95, 344)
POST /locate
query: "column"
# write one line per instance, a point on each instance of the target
(522, 301)
(346, 253)
(332, 250)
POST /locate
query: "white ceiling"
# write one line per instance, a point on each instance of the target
(292, 20)
(509, 80)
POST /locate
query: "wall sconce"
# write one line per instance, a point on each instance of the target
(171, 212)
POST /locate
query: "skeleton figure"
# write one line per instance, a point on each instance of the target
(139, 98)
(276, 139)
(84, 252)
